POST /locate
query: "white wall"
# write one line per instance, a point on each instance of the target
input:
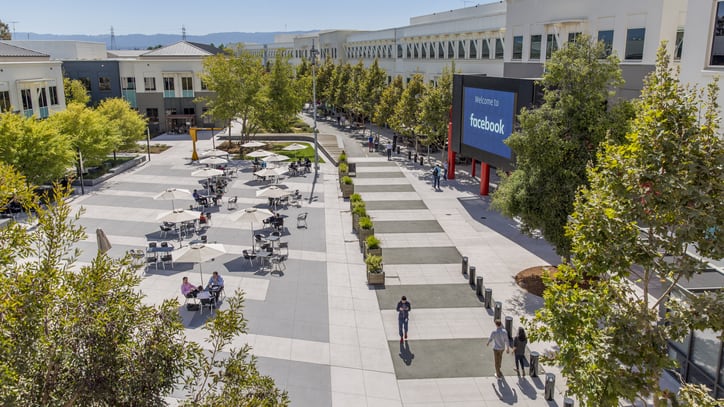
(30, 75)
(66, 50)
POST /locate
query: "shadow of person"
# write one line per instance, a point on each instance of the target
(405, 353)
(504, 392)
(526, 388)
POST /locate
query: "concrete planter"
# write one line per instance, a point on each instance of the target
(362, 234)
(370, 252)
(355, 223)
(376, 278)
(347, 190)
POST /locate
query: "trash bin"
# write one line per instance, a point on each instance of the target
(498, 311)
(479, 286)
(488, 297)
(550, 386)
(465, 264)
(471, 275)
(567, 402)
(534, 356)
(509, 327)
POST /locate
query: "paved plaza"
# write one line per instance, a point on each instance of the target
(317, 328)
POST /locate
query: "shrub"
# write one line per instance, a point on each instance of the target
(372, 242)
(356, 198)
(343, 168)
(359, 208)
(346, 180)
(342, 157)
(365, 222)
(374, 263)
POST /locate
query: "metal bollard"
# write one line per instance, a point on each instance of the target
(471, 275)
(415, 160)
(498, 311)
(509, 327)
(465, 265)
(488, 297)
(479, 286)
(534, 357)
(567, 402)
(409, 155)
(550, 386)
(398, 150)
(421, 158)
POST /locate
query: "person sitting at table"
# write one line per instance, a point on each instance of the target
(189, 290)
(216, 284)
(196, 195)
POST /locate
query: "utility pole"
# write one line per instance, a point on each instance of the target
(13, 23)
(314, 110)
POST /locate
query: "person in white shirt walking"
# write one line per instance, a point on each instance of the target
(499, 337)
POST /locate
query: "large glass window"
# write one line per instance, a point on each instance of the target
(149, 83)
(517, 47)
(4, 101)
(572, 37)
(551, 45)
(717, 45)
(440, 51)
(27, 99)
(152, 114)
(42, 97)
(168, 84)
(606, 37)
(485, 54)
(450, 50)
(635, 43)
(473, 49)
(499, 50)
(679, 44)
(104, 83)
(461, 49)
(128, 83)
(535, 41)
(53, 91)
(705, 351)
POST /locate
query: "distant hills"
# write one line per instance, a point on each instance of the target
(142, 41)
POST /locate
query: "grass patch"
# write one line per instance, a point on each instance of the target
(154, 149)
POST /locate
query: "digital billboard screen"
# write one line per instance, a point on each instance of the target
(488, 119)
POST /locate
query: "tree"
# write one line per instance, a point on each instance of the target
(388, 99)
(650, 199)
(339, 87)
(405, 118)
(559, 139)
(34, 148)
(283, 99)
(371, 89)
(89, 131)
(120, 115)
(75, 92)
(86, 337)
(435, 108)
(5, 32)
(355, 102)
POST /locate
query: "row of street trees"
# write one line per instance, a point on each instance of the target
(624, 191)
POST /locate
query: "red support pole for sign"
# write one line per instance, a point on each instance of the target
(472, 171)
(484, 179)
(450, 153)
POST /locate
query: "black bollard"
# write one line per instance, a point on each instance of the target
(465, 265)
(509, 327)
(409, 155)
(498, 311)
(550, 386)
(415, 160)
(479, 286)
(398, 150)
(534, 357)
(471, 276)
(567, 402)
(421, 158)
(488, 297)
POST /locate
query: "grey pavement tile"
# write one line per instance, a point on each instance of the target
(386, 174)
(308, 384)
(429, 296)
(374, 163)
(421, 255)
(408, 226)
(384, 188)
(395, 205)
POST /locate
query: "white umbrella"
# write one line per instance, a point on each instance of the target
(275, 158)
(294, 147)
(179, 215)
(173, 193)
(213, 160)
(259, 153)
(266, 172)
(272, 192)
(252, 215)
(207, 173)
(252, 144)
(103, 243)
(215, 153)
(200, 253)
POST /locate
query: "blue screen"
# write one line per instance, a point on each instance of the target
(488, 119)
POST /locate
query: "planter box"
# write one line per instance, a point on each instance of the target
(369, 252)
(355, 222)
(362, 234)
(347, 190)
(376, 278)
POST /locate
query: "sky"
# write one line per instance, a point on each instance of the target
(203, 17)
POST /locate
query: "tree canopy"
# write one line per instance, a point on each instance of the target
(130, 124)
(5, 32)
(284, 99)
(434, 113)
(89, 132)
(75, 92)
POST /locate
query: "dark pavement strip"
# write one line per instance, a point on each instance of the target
(430, 296)
(407, 226)
(384, 188)
(421, 255)
(385, 174)
(395, 205)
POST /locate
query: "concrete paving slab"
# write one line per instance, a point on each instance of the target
(421, 255)
(409, 226)
(379, 174)
(429, 296)
(384, 188)
(395, 205)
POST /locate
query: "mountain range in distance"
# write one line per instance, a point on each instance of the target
(143, 41)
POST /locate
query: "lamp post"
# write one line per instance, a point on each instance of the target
(314, 110)
(148, 143)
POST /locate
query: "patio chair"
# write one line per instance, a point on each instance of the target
(302, 220)
(249, 256)
(151, 258)
(278, 263)
(166, 258)
(285, 247)
(232, 202)
(209, 303)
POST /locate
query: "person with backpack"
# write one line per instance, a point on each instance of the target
(436, 176)
(519, 343)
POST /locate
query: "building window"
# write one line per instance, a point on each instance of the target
(149, 84)
(42, 97)
(450, 50)
(128, 83)
(53, 91)
(440, 51)
(535, 41)
(485, 54)
(717, 45)
(606, 37)
(473, 49)
(705, 345)
(635, 43)
(399, 50)
(189, 111)
(4, 101)
(551, 45)
(27, 99)
(104, 84)
(168, 84)
(152, 114)
(518, 47)
(499, 50)
(86, 83)
(679, 45)
(572, 37)
(423, 51)
(461, 49)
(204, 86)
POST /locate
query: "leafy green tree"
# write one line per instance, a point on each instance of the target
(89, 131)
(435, 110)
(75, 92)
(283, 98)
(388, 100)
(559, 139)
(339, 88)
(120, 115)
(650, 199)
(371, 89)
(405, 119)
(355, 103)
(325, 72)
(5, 32)
(35, 148)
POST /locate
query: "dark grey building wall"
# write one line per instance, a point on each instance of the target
(93, 71)
(634, 76)
(522, 70)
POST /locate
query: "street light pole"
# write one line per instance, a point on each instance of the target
(314, 110)
(148, 143)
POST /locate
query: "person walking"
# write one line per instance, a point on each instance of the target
(389, 151)
(499, 337)
(519, 343)
(436, 176)
(403, 317)
(370, 143)
(444, 170)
